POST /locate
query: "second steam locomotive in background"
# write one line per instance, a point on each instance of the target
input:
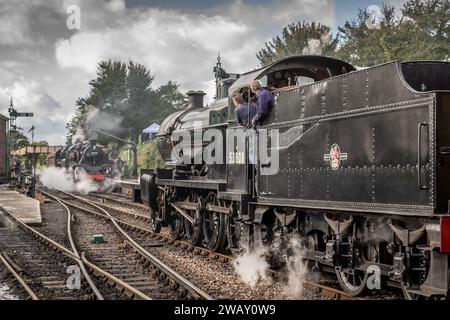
(86, 158)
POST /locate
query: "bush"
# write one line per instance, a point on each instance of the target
(148, 156)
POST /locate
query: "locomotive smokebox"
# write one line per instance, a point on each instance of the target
(195, 99)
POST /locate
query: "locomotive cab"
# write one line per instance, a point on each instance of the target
(425, 76)
(292, 71)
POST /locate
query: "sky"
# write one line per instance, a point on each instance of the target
(46, 64)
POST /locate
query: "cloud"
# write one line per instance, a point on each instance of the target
(15, 28)
(280, 12)
(46, 67)
(116, 5)
(29, 96)
(23, 22)
(182, 46)
(31, 93)
(175, 47)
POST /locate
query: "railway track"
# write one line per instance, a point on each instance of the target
(133, 213)
(120, 258)
(117, 199)
(111, 287)
(137, 214)
(40, 265)
(17, 279)
(132, 218)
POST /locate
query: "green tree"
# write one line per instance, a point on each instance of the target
(124, 91)
(421, 32)
(169, 96)
(364, 45)
(40, 143)
(427, 26)
(108, 94)
(109, 89)
(18, 140)
(299, 38)
(139, 99)
(149, 156)
(146, 105)
(167, 99)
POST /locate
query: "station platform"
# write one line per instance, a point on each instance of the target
(134, 182)
(24, 208)
(130, 188)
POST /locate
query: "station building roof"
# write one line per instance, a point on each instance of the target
(36, 150)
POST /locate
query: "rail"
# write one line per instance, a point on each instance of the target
(18, 277)
(186, 284)
(100, 272)
(56, 246)
(310, 285)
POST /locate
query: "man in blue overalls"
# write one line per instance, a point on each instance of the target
(244, 112)
(264, 104)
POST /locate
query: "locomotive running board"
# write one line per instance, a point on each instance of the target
(217, 185)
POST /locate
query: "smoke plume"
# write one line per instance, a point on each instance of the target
(317, 46)
(297, 268)
(252, 266)
(79, 135)
(99, 120)
(60, 179)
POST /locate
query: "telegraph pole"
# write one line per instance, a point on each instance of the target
(13, 115)
(33, 182)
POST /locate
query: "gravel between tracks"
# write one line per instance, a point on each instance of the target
(115, 257)
(54, 226)
(217, 278)
(9, 288)
(214, 276)
(45, 270)
(54, 222)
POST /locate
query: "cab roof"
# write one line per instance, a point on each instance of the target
(335, 67)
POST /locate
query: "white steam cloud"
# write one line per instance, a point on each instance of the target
(79, 135)
(62, 180)
(317, 46)
(251, 266)
(100, 120)
(297, 269)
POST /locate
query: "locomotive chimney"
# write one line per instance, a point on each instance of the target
(195, 99)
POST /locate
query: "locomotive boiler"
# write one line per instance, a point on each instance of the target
(362, 173)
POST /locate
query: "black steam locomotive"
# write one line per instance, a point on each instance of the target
(83, 158)
(363, 173)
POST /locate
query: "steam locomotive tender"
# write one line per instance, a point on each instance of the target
(363, 179)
